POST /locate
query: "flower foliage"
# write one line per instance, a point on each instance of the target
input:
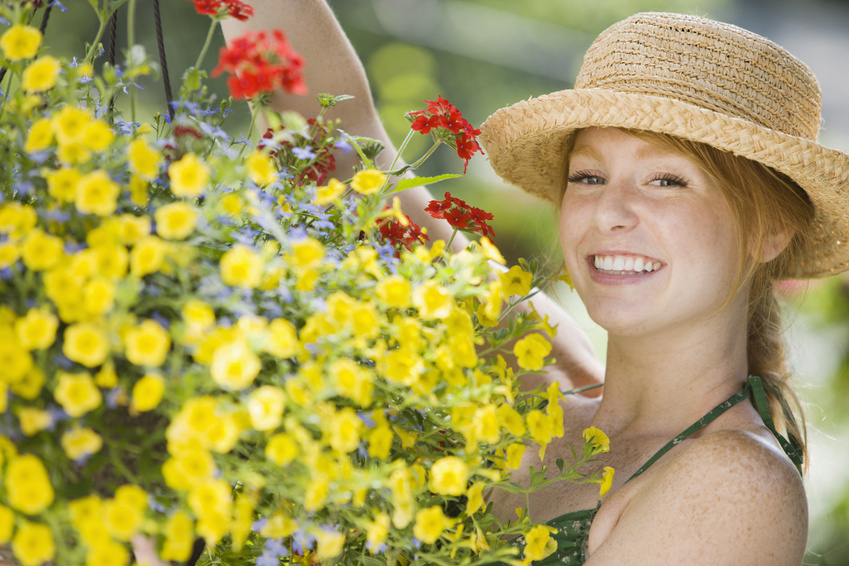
(445, 122)
(198, 340)
(461, 216)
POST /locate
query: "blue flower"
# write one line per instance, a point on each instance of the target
(305, 152)
(344, 145)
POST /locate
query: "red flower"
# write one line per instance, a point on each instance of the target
(392, 231)
(222, 8)
(260, 63)
(449, 126)
(460, 215)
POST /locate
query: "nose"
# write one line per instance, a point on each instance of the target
(614, 208)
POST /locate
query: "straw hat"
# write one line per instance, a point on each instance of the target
(700, 80)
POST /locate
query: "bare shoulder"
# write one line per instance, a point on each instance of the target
(729, 497)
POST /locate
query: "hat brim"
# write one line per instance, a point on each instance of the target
(526, 144)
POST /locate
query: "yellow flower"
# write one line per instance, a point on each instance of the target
(475, 498)
(106, 377)
(147, 393)
(329, 193)
(143, 160)
(138, 191)
(97, 136)
(330, 544)
(41, 74)
(283, 339)
(511, 420)
(69, 125)
(198, 314)
(33, 544)
(316, 492)
(147, 344)
(30, 383)
(33, 420)
(516, 281)
(430, 523)
(448, 476)
(368, 181)
(343, 430)
(40, 135)
(606, 481)
(377, 532)
(433, 301)
(14, 359)
(28, 486)
(7, 524)
(121, 519)
(234, 366)
(490, 251)
(539, 425)
(179, 537)
(77, 393)
(241, 267)
(486, 425)
(175, 221)
(112, 260)
(20, 42)
(261, 168)
(211, 496)
(380, 442)
(147, 256)
(537, 544)
(531, 351)
(62, 184)
(86, 343)
(8, 254)
(598, 441)
(394, 292)
(281, 449)
(351, 380)
(107, 553)
(79, 442)
(189, 176)
(307, 253)
(133, 228)
(41, 251)
(265, 407)
(37, 329)
(97, 194)
(98, 296)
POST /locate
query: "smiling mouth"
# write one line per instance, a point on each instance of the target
(625, 264)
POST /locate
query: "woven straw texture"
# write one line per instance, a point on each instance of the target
(696, 79)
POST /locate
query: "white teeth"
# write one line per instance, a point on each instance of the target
(625, 263)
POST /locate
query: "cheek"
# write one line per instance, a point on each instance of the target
(573, 220)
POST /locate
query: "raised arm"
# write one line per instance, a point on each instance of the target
(332, 66)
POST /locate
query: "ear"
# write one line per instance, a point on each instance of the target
(775, 243)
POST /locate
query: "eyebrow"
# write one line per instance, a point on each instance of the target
(584, 149)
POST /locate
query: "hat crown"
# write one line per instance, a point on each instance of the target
(712, 65)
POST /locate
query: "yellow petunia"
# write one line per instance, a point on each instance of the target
(41, 74)
(40, 135)
(86, 343)
(143, 160)
(265, 407)
(33, 544)
(597, 442)
(37, 329)
(330, 544)
(516, 281)
(606, 481)
(189, 176)
(20, 42)
(430, 524)
(7, 524)
(147, 344)
(394, 292)
(69, 125)
(343, 430)
(261, 168)
(511, 420)
(97, 136)
(179, 537)
(62, 184)
(41, 251)
(241, 267)
(234, 366)
(530, 351)
(433, 301)
(28, 487)
(133, 228)
(448, 476)
(368, 181)
(147, 393)
(97, 194)
(79, 442)
(307, 253)
(147, 256)
(537, 543)
(281, 449)
(329, 193)
(98, 296)
(176, 220)
(33, 420)
(77, 393)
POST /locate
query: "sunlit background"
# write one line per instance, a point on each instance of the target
(485, 54)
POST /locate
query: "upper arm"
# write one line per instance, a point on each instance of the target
(729, 498)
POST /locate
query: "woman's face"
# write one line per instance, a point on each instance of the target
(648, 237)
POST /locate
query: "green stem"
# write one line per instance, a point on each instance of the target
(451, 239)
(250, 133)
(401, 149)
(424, 157)
(206, 44)
(131, 41)
(92, 49)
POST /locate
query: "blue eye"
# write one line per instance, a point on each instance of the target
(586, 178)
(669, 180)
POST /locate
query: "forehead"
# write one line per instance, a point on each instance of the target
(598, 142)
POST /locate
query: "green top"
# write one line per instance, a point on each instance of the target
(573, 528)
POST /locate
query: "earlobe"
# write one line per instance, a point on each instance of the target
(774, 244)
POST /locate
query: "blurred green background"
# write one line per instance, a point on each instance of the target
(485, 54)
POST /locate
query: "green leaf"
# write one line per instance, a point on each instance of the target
(559, 463)
(404, 184)
(328, 100)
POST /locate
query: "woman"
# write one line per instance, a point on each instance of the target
(688, 176)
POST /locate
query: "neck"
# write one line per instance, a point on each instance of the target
(663, 382)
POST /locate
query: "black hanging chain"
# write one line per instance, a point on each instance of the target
(113, 39)
(160, 44)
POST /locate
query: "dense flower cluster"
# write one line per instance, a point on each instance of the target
(447, 123)
(259, 62)
(197, 341)
(313, 157)
(461, 216)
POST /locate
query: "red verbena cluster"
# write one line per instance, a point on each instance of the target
(233, 8)
(393, 232)
(320, 154)
(259, 62)
(449, 126)
(461, 216)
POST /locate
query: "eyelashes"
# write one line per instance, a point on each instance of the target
(657, 179)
